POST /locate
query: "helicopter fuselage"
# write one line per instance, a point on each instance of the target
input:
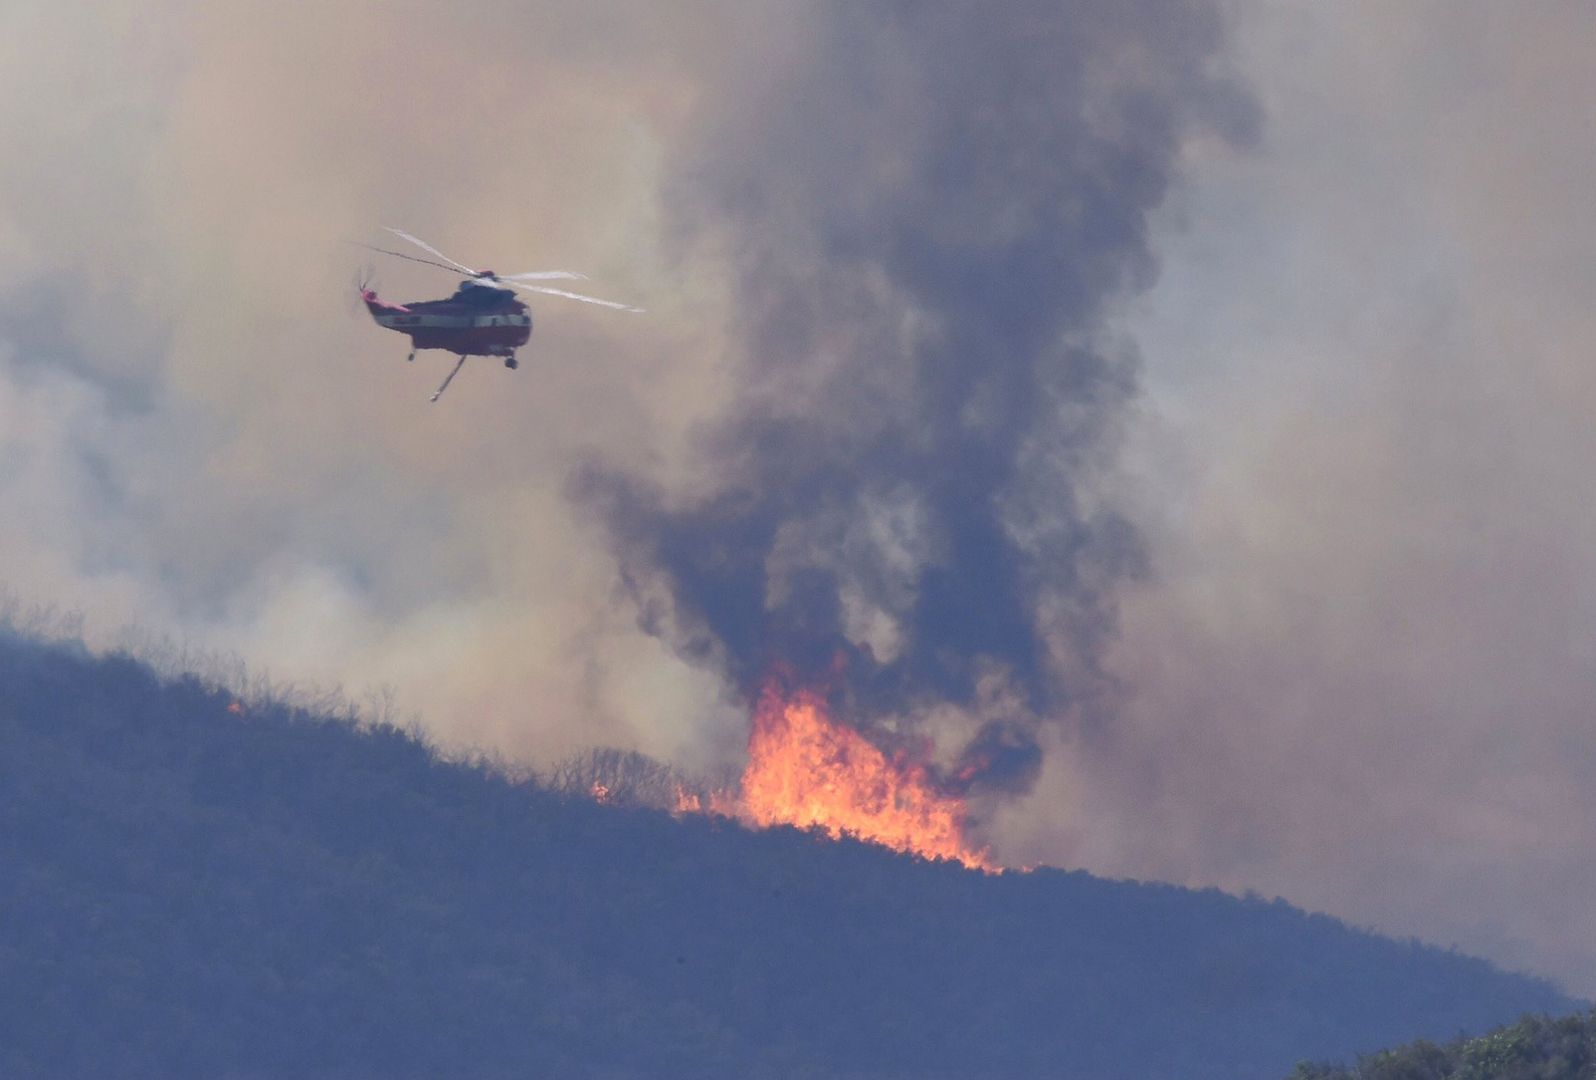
(478, 320)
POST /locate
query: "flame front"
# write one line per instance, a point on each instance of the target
(805, 769)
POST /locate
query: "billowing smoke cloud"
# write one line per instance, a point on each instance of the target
(928, 212)
(1361, 672)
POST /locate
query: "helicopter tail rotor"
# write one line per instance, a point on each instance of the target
(362, 282)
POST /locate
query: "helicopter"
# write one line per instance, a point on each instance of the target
(484, 317)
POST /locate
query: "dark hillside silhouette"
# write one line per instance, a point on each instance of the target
(189, 891)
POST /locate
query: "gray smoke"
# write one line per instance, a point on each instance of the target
(929, 211)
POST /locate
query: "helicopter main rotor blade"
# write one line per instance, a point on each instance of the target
(424, 246)
(544, 275)
(403, 255)
(578, 296)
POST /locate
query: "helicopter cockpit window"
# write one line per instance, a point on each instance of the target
(477, 294)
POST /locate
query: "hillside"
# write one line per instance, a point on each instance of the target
(193, 891)
(1535, 1048)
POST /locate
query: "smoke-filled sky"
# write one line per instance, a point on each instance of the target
(1190, 405)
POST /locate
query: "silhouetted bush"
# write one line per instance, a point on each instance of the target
(619, 777)
(1535, 1048)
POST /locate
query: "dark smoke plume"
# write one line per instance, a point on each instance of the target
(929, 210)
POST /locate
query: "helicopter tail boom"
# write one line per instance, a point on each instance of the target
(378, 307)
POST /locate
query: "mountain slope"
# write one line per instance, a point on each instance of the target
(188, 891)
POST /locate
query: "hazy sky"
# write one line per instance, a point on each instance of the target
(1358, 668)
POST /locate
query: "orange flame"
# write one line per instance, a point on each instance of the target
(804, 769)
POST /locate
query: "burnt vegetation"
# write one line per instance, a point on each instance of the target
(195, 886)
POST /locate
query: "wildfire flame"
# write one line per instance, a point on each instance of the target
(807, 770)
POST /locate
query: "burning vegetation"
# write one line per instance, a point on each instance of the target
(811, 766)
(808, 770)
